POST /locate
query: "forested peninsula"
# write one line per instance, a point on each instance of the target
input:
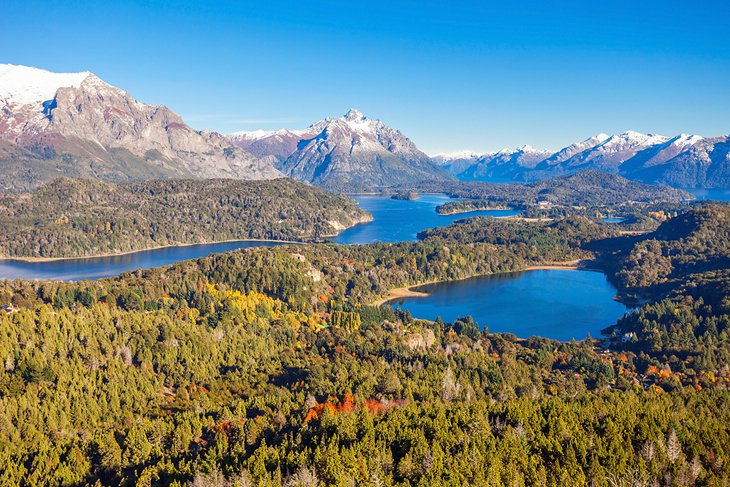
(82, 218)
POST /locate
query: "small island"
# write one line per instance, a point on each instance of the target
(405, 196)
(457, 207)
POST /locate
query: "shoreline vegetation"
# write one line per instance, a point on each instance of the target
(150, 249)
(68, 230)
(458, 211)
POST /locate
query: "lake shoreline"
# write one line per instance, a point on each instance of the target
(361, 221)
(367, 218)
(149, 249)
(564, 306)
(403, 292)
(409, 292)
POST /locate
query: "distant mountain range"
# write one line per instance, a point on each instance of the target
(349, 153)
(681, 161)
(75, 124)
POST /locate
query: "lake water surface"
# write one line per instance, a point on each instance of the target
(401, 220)
(558, 304)
(99, 267)
(722, 194)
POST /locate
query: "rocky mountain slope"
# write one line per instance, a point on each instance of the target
(350, 153)
(75, 124)
(682, 161)
(499, 165)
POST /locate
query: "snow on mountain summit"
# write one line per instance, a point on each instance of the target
(253, 135)
(353, 115)
(684, 159)
(347, 153)
(630, 139)
(461, 154)
(684, 140)
(23, 85)
(354, 120)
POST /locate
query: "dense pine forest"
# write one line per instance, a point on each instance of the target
(269, 366)
(78, 218)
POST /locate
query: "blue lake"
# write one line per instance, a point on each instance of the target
(722, 194)
(99, 267)
(558, 304)
(401, 220)
(393, 221)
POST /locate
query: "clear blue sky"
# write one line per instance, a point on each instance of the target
(476, 75)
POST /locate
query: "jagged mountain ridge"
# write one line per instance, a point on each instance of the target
(500, 165)
(681, 161)
(350, 153)
(75, 124)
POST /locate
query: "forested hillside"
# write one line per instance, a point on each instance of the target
(75, 218)
(684, 269)
(591, 194)
(268, 367)
(584, 189)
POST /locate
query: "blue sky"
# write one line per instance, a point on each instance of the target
(467, 75)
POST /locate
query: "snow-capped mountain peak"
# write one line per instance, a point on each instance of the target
(528, 149)
(253, 135)
(630, 140)
(350, 152)
(684, 140)
(357, 122)
(523, 149)
(24, 85)
(354, 115)
(627, 152)
(79, 117)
